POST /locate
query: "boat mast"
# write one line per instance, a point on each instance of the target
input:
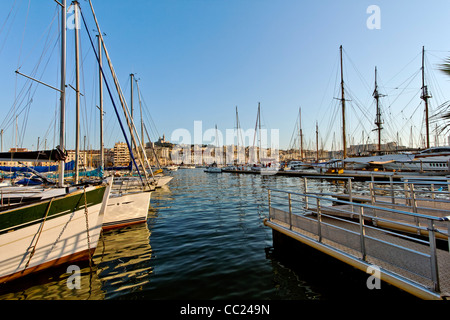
(259, 132)
(256, 130)
(77, 80)
(425, 96)
(142, 118)
(317, 141)
(102, 151)
(344, 139)
(130, 123)
(378, 121)
(62, 127)
(237, 136)
(132, 106)
(300, 133)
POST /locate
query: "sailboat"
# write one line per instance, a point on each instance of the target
(63, 228)
(214, 168)
(431, 159)
(130, 204)
(159, 179)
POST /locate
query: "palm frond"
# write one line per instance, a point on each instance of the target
(445, 67)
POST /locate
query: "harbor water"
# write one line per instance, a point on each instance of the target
(204, 240)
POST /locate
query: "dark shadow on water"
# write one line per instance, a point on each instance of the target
(330, 278)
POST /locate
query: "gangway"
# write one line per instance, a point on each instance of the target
(344, 230)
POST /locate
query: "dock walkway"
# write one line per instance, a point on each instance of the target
(347, 232)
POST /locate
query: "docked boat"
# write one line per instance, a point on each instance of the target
(212, 169)
(435, 159)
(51, 232)
(126, 209)
(299, 165)
(59, 224)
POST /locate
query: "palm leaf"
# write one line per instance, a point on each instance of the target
(445, 67)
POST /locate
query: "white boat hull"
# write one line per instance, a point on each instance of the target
(127, 209)
(421, 164)
(162, 180)
(62, 239)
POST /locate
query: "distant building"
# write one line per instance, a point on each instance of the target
(162, 142)
(366, 149)
(121, 154)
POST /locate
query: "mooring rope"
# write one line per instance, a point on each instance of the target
(38, 236)
(86, 213)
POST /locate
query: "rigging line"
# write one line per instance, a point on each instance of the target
(358, 72)
(8, 16)
(84, 108)
(294, 133)
(435, 82)
(12, 115)
(147, 114)
(46, 42)
(331, 121)
(401, 70)
(112, 100)
(25, 89)
(410, 80)
(25, 120)
(412, 98)
(336, 71)
(10, 26)
(366, 114)
(23, 33)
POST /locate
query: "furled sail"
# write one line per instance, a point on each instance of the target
(35, 156)
(41, 169)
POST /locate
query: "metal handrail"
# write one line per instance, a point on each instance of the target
(430, 228)
(311, 195)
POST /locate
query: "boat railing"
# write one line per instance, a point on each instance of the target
(325, 220)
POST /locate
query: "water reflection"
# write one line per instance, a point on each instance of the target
(55, 284)
(123, 260)
(204, 239)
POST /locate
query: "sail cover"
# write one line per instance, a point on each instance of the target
(41, 169)
(35, 156)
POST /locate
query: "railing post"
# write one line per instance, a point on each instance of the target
(433, 257)
(362, 231)
(414, 206)
(433, 196)
(372, 193)
(270, 207)
(448, 235)
(319, 220)
(391, 180)
(350, 195)
(290, 211)
(306, 192)
(413, 198)
(405, 188)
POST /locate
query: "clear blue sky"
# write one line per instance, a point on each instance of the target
(196, 60)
